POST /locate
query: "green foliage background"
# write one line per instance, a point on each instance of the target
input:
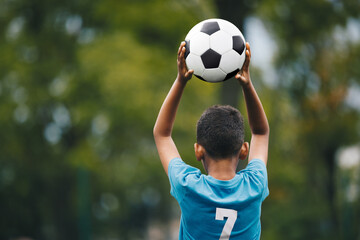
(81, 83)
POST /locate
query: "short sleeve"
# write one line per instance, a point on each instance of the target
(181, 175)
(257, 174)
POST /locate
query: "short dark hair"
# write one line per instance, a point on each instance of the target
(220, 130)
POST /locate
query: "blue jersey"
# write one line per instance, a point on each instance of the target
(216, 209)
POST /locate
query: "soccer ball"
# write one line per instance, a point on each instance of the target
(215, 50)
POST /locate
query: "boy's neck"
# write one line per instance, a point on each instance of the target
(221, 169)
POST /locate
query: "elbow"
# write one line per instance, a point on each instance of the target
(155, 132)
(156, 129)
(267, 132)
(158, 133)
(263, 130)
(267, 129)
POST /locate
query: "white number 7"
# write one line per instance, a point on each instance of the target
(231, 215)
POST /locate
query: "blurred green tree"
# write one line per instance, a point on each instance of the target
(81, 83)
(317, 67)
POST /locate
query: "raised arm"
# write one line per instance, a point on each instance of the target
(165, 121)
(257, 118)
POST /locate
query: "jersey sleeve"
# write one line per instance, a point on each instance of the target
(181, 175)
(257, 176)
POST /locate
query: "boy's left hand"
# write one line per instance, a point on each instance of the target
(184, 74)
(243, 76)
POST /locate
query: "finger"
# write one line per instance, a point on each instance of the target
(180, 47)
(181, 56)
(189, 73)
(240, 71)
(247, 60)
(248, 56)
(183, 51)
(248, 49)
(240, 78)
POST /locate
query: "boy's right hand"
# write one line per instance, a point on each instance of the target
(243, 76)
(184, 74)
(257, 118)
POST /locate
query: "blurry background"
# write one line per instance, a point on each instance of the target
(81, 83)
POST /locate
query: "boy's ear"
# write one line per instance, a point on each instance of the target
(244, 151)
(199, 151)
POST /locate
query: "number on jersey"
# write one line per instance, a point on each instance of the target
(231, 216)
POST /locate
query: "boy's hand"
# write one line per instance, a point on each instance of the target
(165, 121)
(184, 74)
(244, 75)
(257, 118)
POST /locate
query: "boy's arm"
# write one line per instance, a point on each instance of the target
(166, 118)
(257, 118)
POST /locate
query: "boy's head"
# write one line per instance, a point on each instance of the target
(220, 130)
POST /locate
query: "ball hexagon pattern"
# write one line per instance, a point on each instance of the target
(199, 43)
(215, 50)
(221, 42)
(211, 59)
(210, 27)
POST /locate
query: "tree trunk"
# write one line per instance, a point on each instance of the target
(234, 11)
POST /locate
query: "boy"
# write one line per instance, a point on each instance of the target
(223, 204)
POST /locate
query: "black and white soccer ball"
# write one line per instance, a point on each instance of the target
(215, 50)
